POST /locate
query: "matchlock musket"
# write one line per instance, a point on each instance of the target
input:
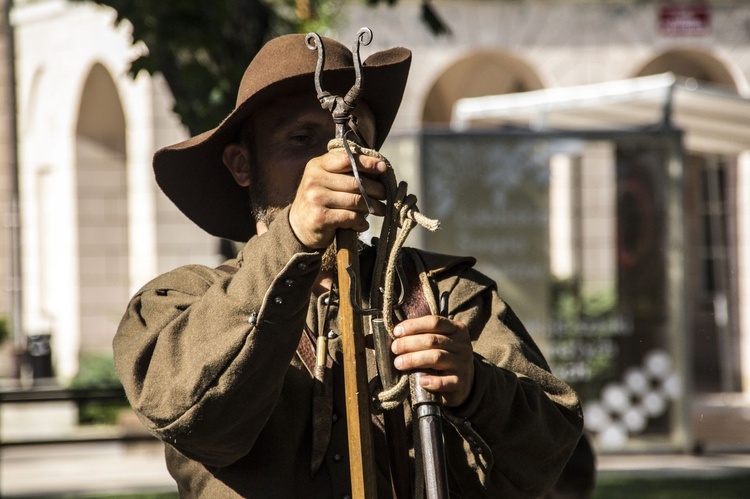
(426, 405)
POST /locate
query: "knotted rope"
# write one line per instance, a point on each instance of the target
(402, 215)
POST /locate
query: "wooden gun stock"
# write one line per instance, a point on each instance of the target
(361, 456)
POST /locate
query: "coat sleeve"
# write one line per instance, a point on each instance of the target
(514, 434)
(202, 354)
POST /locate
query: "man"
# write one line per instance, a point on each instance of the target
(211, 358)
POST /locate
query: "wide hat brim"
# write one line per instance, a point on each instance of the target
(192, 173)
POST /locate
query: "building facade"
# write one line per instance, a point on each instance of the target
(95, 225)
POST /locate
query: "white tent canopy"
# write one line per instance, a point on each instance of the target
(714, 120)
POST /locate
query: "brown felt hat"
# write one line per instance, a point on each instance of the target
(192, 173)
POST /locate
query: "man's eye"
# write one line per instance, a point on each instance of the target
(301, 138)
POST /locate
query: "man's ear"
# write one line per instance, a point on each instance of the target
(237, 161)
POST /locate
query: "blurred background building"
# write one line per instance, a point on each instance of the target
(593, 154)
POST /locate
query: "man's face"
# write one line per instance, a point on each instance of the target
(280, 139)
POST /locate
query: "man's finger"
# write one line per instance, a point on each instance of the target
(428, 324)
(338, 162)
(445, 383)
(425, 341)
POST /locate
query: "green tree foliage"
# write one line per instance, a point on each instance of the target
(202, 48)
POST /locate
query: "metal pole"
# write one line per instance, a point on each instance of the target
(679, 325)
(12, 218)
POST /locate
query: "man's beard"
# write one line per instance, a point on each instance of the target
(260, 205)
(263, 212)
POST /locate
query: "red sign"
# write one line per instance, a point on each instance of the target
(684, 20)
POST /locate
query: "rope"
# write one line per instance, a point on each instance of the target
(402, 215)
(385, 400)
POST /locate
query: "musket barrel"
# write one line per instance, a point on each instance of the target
(433, 453)
(427, 409)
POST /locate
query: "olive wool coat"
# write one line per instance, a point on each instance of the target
(210, 364)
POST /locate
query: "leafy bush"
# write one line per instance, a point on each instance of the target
(98, 372)
(4, 329)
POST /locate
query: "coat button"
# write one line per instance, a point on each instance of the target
(278, 300)
(289, 282)
(337, 458)
(251, 319)
(302, 265)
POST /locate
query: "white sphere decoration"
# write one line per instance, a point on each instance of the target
(625, 408)
(595, 418)
(616, 398)
(636, 381)
(654, 404)
(658, 363)
(613, 437)
(634, 420)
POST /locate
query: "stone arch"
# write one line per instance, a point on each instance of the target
(691, 63)
(102, 219)
(481, 73)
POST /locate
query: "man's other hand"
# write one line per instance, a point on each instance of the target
(439, 344)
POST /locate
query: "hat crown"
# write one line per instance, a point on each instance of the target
(289, 56)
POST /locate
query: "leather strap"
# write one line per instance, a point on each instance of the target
(415, 302)
(229, 269)
(322, 404)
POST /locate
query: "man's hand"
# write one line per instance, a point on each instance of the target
(440, 344)
(328, 198)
